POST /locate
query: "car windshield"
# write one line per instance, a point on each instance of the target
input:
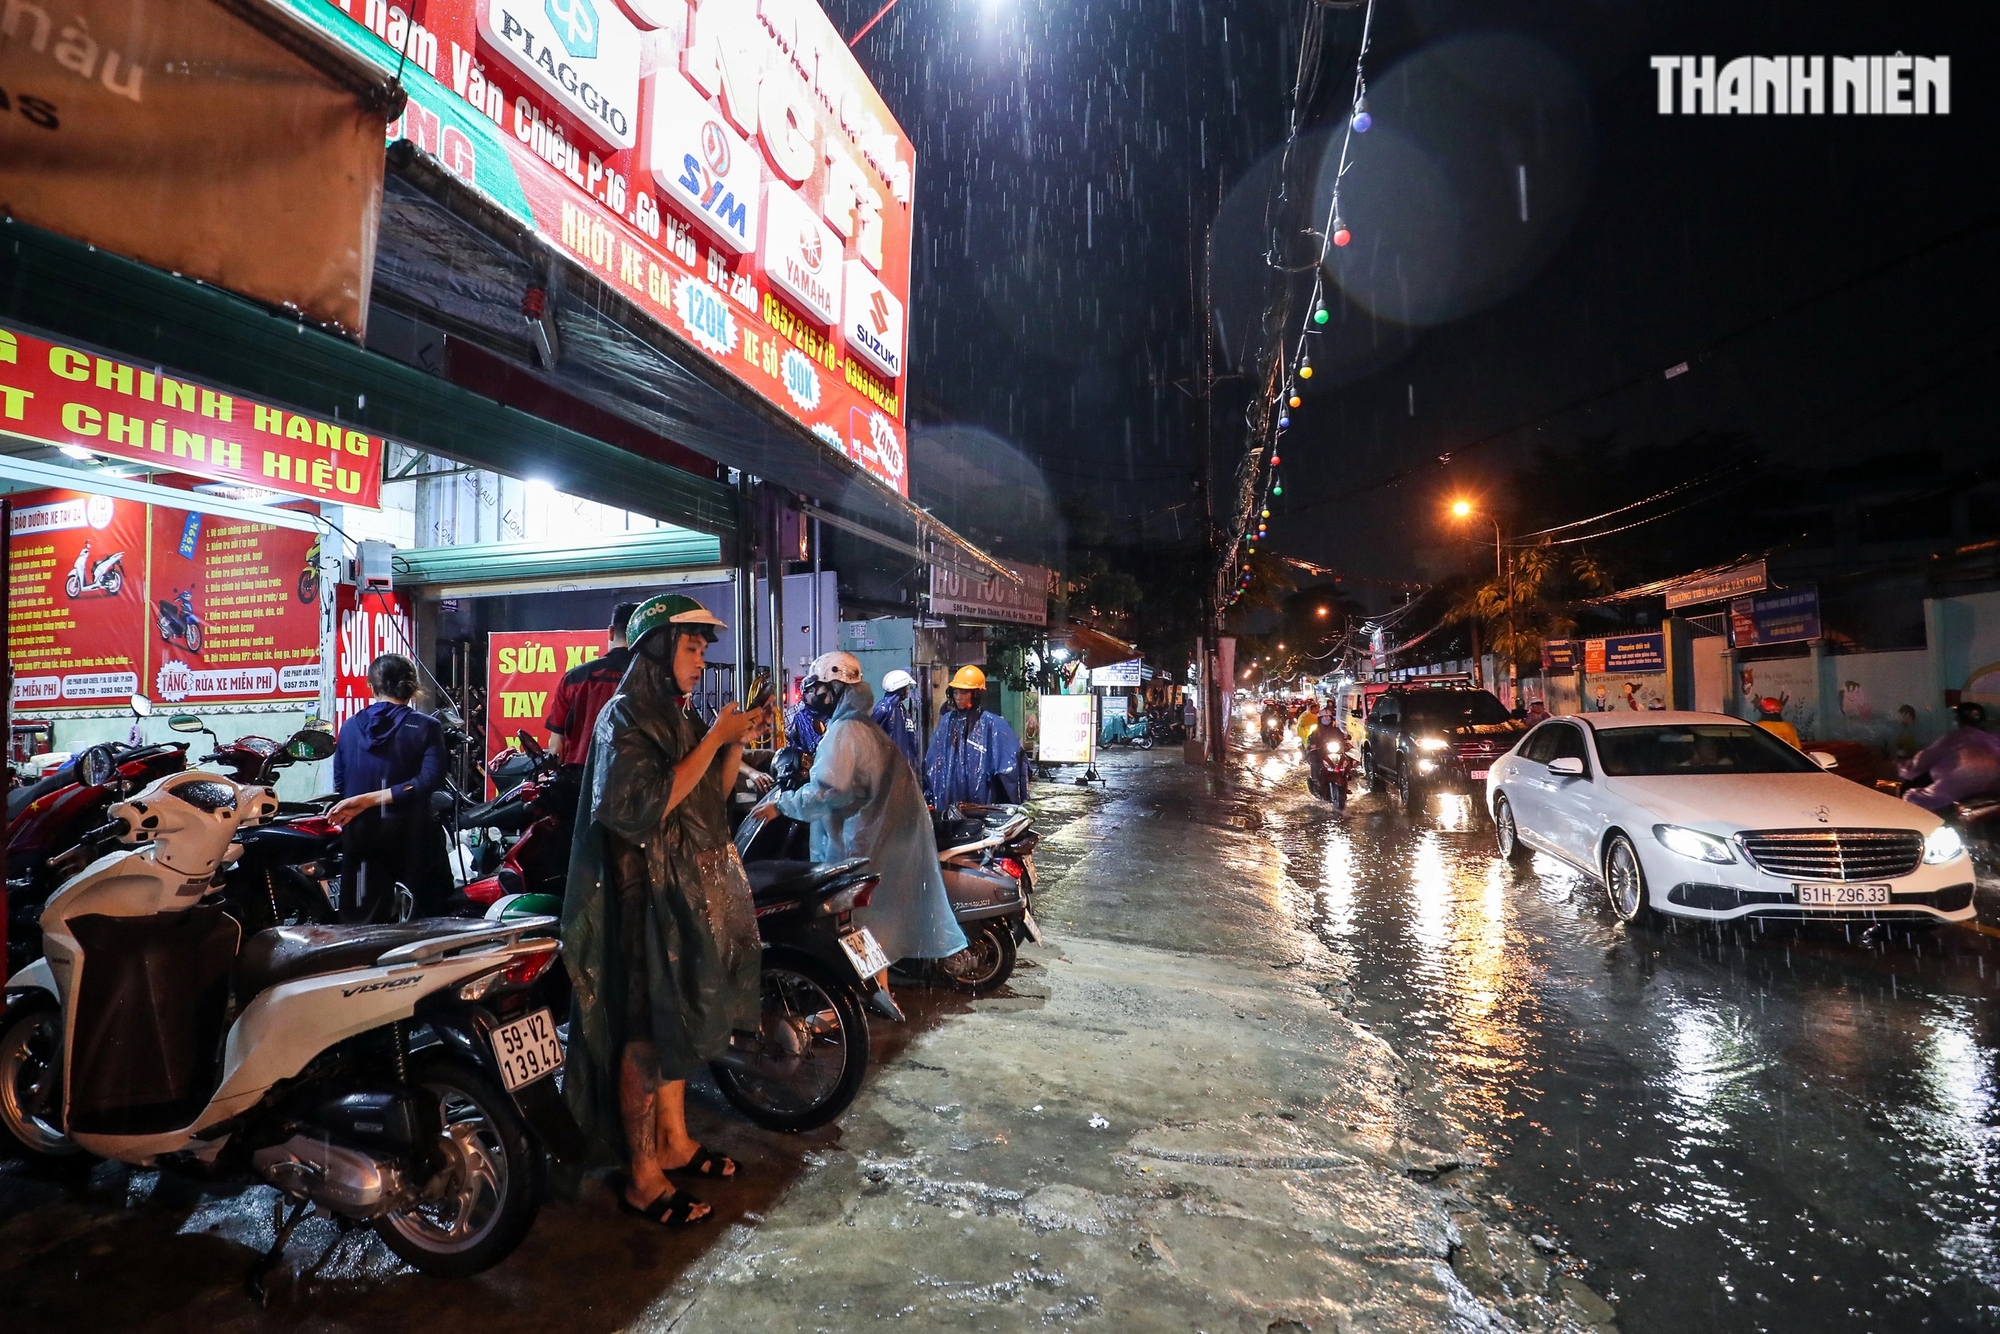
(1453, 708)
(1642, 752)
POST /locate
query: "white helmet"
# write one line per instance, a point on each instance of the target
(897, 680)
(835, 666)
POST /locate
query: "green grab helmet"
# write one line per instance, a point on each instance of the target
(672, 609)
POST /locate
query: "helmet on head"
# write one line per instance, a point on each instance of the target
(897, 680)
(968, 678)
(1770, 704)
(827, 680)
(674, 612)
(835, 666)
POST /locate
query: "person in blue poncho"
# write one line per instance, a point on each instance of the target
(863, 801)
(974, 756)
(804, 728)
(897, 715)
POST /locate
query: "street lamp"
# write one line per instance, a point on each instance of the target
(1463, 509)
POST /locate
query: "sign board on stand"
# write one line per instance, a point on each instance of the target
(1069, 729)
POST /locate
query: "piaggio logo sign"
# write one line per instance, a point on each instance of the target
(584, 56)
(576, 26)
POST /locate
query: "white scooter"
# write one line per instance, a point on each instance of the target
(107, 576)
(396, 1075)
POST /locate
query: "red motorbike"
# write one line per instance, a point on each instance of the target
(1330, 765)
(543, 809)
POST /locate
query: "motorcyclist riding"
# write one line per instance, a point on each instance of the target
(1961, 764)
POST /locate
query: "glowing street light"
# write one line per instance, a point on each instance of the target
(1461, 509)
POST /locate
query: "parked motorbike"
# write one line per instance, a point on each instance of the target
(258, 760)
(107, 576)
(397, 1076)
(541, 808)
(1167, 725)
(1119, 730)
(1330, 765)
(178, 622)
(987, 856)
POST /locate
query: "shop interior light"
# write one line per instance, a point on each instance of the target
(77, 452)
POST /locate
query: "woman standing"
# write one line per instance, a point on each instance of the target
(389, 760)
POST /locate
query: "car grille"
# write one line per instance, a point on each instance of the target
(1835, 854)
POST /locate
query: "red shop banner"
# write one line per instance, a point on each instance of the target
(70, 395)
(76, 598)
(234, 610)
(724, 164)
(366, 625)
(523, 669)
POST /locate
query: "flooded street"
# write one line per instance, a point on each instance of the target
(1773, 1129)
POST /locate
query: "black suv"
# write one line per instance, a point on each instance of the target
(1435, 740)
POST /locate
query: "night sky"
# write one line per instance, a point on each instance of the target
(1829, 280)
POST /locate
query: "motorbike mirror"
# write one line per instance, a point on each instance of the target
(310, 744)
(185, 722)
(449, 717)
(142, 706)
(530, 747)
(95, 766)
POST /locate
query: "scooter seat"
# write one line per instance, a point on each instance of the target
(771, 881)
(287, 953)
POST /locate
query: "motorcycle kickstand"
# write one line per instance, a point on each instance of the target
(284, 1223)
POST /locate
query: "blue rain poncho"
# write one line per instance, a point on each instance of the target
(863, 801)
(897, 715)
(803, 729)
(975, 757)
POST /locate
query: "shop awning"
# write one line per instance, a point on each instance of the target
(70, 290)
(518, 567)
(1097, 649)
(449, 257)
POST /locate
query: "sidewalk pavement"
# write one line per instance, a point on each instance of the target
(1166, 1123)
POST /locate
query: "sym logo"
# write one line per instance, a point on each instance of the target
(715, 150)
(878, 314)
(576, 26)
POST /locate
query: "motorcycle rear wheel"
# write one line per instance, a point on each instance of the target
(991, 945)
(31, 1079)
(497, 1176)
(806, 1006)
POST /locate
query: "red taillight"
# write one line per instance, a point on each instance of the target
(528, 967)
(1011, 867)
(866, 894)
(314, 825)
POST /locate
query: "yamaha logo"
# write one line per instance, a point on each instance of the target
(811, 249)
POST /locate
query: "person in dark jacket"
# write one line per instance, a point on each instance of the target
(389, 760)
(586, 689)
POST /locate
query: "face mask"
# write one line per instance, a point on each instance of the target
(823, 697)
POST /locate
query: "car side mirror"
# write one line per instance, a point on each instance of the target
(1823, 759)
(1566, 767)
(185, 722)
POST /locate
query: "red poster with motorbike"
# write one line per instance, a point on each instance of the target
(76, 598)
(367, 626)
(523, 669)
(234, 610)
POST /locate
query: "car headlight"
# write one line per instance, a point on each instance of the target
(1942, 845)
(1432, 743)
(1426, 766)
(1693, 843)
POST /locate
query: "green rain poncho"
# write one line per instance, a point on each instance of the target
(697, 928)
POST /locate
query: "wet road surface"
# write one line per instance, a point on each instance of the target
(1734, 1130)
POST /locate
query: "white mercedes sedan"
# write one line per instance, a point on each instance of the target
(1705, 816)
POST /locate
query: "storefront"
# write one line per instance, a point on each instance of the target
(576, 380)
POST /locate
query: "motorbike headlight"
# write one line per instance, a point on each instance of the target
(1333, 746)
(1432, 743)
(1693, 843)
(1943, 845)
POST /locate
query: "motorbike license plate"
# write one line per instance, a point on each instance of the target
(1034, 929)
(527, 1049)
(1843, 896)
(861, 950)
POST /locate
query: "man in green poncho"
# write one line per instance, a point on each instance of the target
(659, 933)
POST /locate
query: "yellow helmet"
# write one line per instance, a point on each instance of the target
(968, 678)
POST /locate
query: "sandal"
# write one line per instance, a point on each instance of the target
(707, 1164)
(675, 1209)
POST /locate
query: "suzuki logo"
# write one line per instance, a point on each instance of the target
(878, 315)
(576, 26)
(714, 145)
